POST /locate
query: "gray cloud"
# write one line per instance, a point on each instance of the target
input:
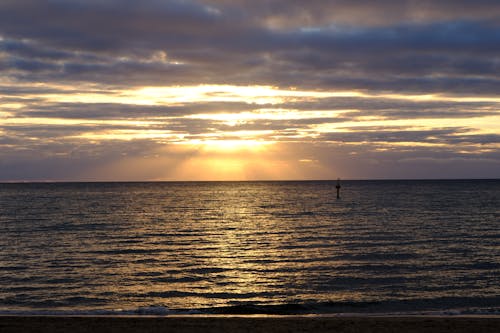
(293, 13)
(218, 42)
(127, 111)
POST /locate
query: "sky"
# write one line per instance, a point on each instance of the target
(109, 90)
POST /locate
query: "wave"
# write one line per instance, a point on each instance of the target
(451, 306)
(447, 305)
(146, 311)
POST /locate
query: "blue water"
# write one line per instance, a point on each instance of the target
(250, 247)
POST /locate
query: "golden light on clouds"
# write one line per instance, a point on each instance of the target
(128, 135)
(168, 95)
(173, 95)
(255, 95)
(233, 119)
(251, 95)
(228, 93)
(238, 144)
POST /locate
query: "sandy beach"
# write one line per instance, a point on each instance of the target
(275, 324)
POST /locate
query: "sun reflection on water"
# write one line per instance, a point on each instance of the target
(208, 244)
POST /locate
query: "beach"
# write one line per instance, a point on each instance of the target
(274, 324)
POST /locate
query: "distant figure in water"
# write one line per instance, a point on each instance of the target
(338, 188)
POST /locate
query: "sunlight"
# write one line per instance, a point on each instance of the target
(172, 95)
(228, 146)
(128, 135)
(233, 119)
(76, 121)
(212, 168)
(224, 167)
(252, 94)
(228, 93)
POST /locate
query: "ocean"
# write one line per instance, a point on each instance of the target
(384, 247)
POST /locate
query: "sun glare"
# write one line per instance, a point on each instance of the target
(228, 146)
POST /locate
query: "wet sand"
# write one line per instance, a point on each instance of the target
(275, 324)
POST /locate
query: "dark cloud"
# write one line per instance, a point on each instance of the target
(101, 25)
(128, 111)
(398, 108)
(405, 135)
(217, 42)
(375, 134)
(32, 50)
(293, 13)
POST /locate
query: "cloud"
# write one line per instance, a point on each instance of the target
(421, 80)
(222, 43)
(291, 14)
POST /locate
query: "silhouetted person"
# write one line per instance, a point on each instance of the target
(338, 188)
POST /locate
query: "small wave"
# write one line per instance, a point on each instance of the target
(342, 308)
(183, 279)
(206, 270)
(445, 306)
(14, 268)
(143, 310)
(127, 251)
(21, 299)
(209, 295)
(293, 214)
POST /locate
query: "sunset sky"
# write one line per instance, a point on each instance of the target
(249, 90)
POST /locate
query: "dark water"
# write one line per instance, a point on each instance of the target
(250, 247)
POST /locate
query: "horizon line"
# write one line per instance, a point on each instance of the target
(235, 181)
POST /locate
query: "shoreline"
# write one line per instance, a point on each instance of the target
(249, 323)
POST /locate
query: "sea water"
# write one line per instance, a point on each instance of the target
(250, 247)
